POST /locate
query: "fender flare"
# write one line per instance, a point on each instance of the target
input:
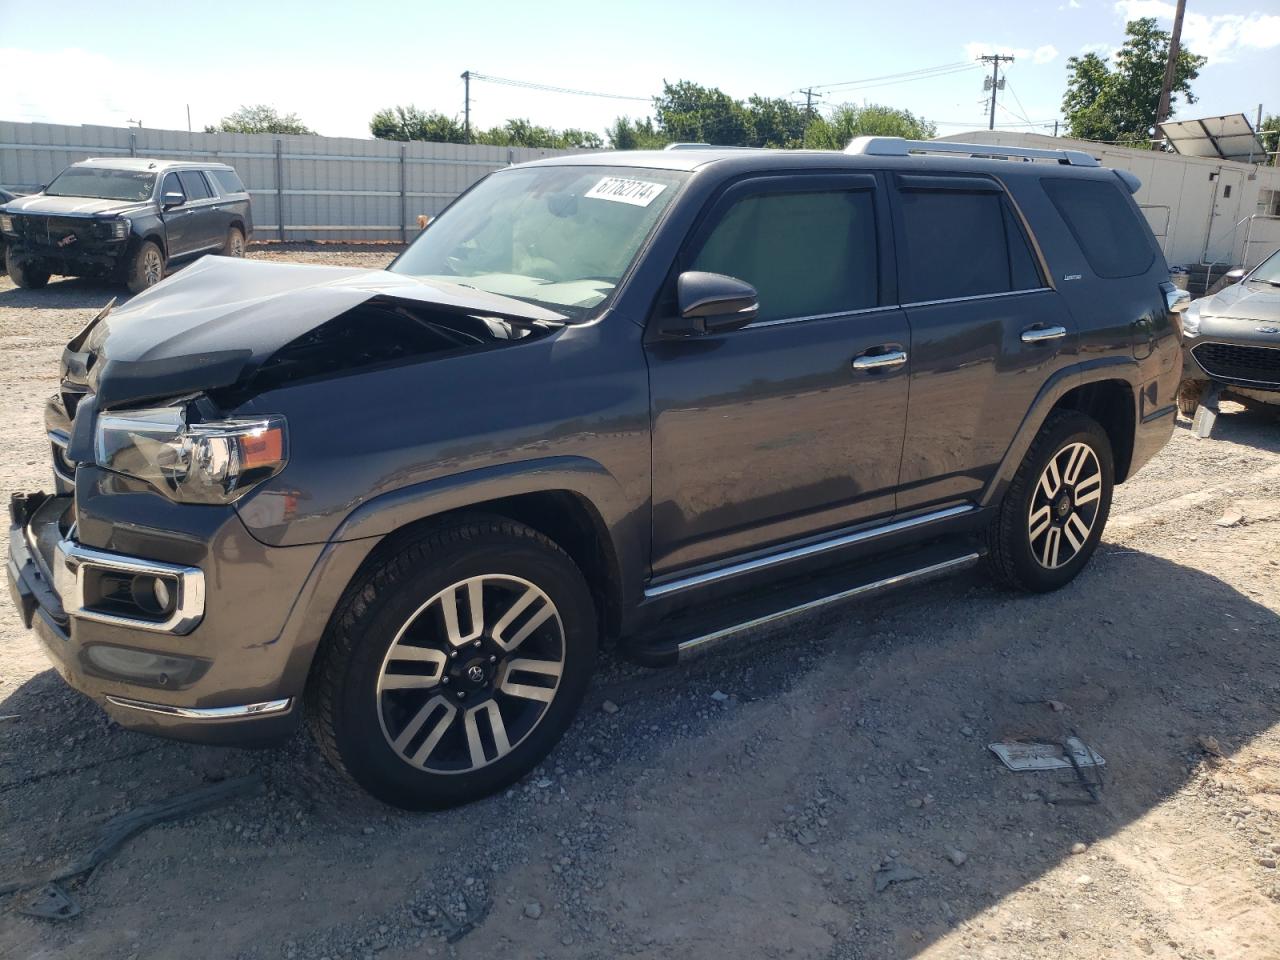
(624, 524)
(1062, 382)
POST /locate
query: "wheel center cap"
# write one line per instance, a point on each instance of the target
(1064, 505)
(473, 674)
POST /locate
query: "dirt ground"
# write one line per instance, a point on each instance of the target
(742, 805)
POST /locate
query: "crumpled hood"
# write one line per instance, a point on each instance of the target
(1244, 301)
(216, 321)
(71, 206)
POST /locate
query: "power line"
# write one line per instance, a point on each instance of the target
(530, 85)
(923, 73)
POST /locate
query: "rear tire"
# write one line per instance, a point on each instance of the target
(146, 267)
(1189, 394)
(234, 245)
(1053, 513)
(454, 665)
(24, 274)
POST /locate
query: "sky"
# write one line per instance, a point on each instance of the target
(334, 64)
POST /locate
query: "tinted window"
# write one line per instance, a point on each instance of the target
(227, 181)
(194, 185)
(172, 185)
(962, 244)
(807, 254)
(102, 183)
(1113, 240)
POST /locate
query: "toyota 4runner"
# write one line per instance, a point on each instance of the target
(656, 399)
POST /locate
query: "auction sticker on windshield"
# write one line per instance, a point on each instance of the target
(641, 193)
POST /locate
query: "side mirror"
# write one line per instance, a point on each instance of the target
(1233, 276)
(711, 303)
(173, 199)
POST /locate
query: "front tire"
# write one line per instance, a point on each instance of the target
(1189, 394)
(1052, 515)
(454, 666)
(146, 267)
(25, 275)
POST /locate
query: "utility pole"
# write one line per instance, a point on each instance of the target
(996, 84)
(1055, 128)
(808, 101)
(466, 105)
(1170, 68)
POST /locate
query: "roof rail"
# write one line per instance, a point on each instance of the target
(898, 147)
(687, 146)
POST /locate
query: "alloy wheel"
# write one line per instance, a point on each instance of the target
(1064, 506)
(471, 674)
(152, 268)
(237, 244)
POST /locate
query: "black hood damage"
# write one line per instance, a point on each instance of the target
(245, 326)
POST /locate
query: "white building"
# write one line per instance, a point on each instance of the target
(1203, 211)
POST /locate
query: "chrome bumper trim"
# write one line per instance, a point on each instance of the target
(71, 561)
(207, 713)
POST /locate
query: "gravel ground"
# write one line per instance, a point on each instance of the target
(741, 805)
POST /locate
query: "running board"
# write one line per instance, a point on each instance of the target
(691, 635)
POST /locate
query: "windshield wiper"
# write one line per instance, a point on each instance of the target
(1274, 283)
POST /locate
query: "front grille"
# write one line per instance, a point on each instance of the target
(1252, 365)
(55, 232)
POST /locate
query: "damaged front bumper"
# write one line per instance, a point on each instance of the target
(218, 663)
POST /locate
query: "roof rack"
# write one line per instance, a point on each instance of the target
(899, 147)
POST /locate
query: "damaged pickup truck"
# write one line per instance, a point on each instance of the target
(657, 399)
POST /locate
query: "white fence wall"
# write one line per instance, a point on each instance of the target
(303, 188)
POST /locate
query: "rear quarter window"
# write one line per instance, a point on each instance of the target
(228, 181)
(1112, 238)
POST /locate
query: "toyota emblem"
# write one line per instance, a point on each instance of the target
(475, 673)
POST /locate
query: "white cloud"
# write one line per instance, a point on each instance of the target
(1104, 50)
(1040, 55)
(1218, 37)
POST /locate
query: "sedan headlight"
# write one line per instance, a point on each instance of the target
(7, 226)
(210, 462)
(1191, 321)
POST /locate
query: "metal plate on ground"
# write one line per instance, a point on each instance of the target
(1019, 755)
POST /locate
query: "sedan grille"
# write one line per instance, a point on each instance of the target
(1248, 365)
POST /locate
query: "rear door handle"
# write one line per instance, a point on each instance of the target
(879, 361)
(1040, 334)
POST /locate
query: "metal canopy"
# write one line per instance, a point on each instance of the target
(1229, 138)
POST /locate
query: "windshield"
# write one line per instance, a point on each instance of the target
(102, 184)
(1269, 270)
(560, 237)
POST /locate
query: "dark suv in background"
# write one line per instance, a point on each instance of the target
(125, 220)
(655, 399)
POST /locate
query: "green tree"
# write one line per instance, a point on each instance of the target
(874, 120)
(775, 122)
(1270, 133)
(627, 134)
(524, 133)
(1118, 103)
(690, 113)
(410, 123)
(260, 119)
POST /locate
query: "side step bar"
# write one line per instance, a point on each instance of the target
(688, 636)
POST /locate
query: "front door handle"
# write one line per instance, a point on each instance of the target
(1040, 334)
(879, 361)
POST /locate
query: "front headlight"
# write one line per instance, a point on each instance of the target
(114, 229)
(211, 462)
(1191, 321)
(6, 225)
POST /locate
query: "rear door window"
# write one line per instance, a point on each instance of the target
(194, 185)
(806, 253)
(1114, 241)
(961, 238)
(227, 181)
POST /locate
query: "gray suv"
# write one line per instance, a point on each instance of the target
(125, 219)
(655, 400)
